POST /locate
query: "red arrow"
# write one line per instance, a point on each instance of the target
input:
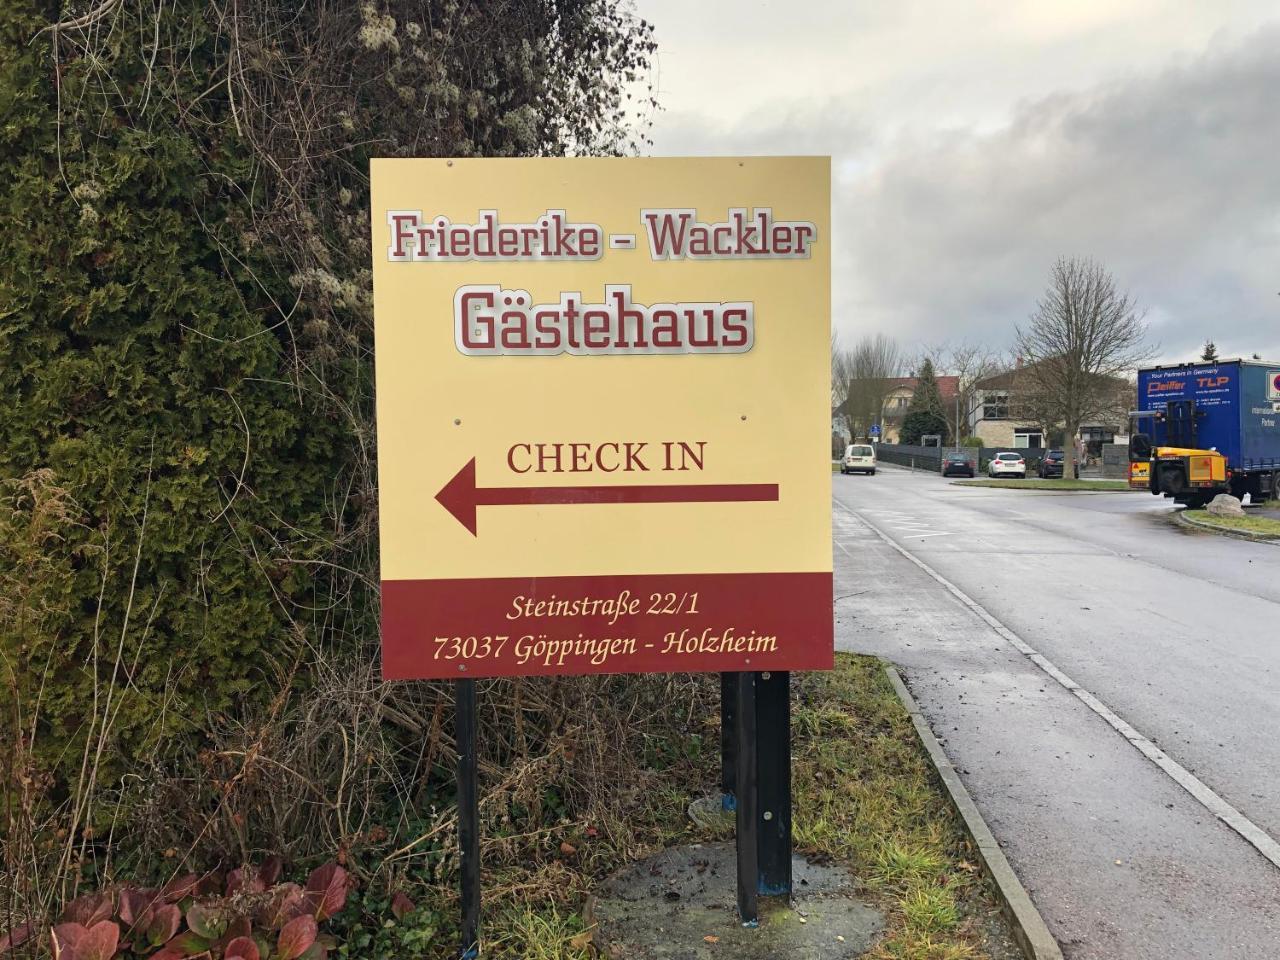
(460, 496)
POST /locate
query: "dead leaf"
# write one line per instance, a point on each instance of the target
(711, 938)
(568, 849)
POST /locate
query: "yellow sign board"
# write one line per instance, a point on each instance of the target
(603, 414)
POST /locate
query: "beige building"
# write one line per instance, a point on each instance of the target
(1006, 416)
(1000, 422)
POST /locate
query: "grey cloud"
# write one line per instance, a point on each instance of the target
(1172, 179)
(794, 129)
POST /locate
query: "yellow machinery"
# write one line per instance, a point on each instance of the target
(1188, 475)
(1197, 474)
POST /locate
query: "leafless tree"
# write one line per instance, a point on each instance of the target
(971, 364)
(1079, 346)
(868, 369)
(839, 372)
(839, 390)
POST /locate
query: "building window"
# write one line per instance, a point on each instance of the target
(1028, 439)
(995, 406)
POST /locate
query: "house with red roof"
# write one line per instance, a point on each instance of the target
(898, 399)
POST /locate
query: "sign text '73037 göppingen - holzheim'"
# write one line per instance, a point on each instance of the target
(603, 415)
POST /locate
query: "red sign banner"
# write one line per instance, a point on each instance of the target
(608, 624)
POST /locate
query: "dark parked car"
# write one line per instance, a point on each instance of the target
(958, 465)
(1051, 465)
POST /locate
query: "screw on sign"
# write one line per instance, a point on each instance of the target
(603, 444)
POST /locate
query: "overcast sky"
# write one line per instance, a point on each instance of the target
(975, 141)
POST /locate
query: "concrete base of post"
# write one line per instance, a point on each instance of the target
(680, 904)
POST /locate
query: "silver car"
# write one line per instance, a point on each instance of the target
(859, 458)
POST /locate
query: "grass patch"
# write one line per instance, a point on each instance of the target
(1262, 526)
(546, 934)
(865, 795)
(1035, 483)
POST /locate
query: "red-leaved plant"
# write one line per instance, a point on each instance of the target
(251, 917)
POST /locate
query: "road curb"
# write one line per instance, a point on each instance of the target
(977, 484)
(1225, 531)
(1029, 928)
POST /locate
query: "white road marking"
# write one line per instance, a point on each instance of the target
(1258, 838)
(911, 524)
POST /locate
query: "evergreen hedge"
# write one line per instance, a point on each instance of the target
(186, 492)
(141, 371)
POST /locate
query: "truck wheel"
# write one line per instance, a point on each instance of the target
(1172, 481)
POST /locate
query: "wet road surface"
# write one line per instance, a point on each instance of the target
(996, 604)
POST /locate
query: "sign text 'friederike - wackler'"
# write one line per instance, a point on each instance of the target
(603, 432)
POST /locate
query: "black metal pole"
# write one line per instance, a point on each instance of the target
(747, 807)
(773, 768)
(468, 816)
(728, 740)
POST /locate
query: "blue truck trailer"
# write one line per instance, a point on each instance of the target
(1207, 428)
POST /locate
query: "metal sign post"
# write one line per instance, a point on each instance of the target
(762, 731)
(468, 817)
(728, 741)
(773, 767)
(762, 736)
(747, 801)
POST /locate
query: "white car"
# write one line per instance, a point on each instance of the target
(859, 458)
(1007, 465)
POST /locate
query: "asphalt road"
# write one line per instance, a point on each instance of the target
(1173, 639)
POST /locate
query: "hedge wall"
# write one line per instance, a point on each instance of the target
(142, 374)
(186, 485)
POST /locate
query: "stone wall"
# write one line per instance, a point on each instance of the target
(1115, 461)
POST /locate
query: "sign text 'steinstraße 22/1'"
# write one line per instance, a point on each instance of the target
(603, 415)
